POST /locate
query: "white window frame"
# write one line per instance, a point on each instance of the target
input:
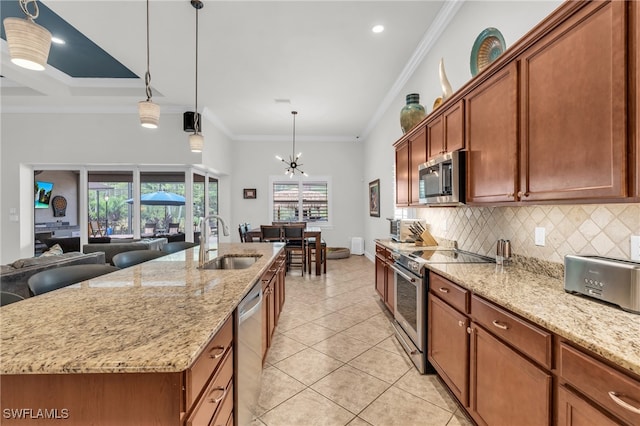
(300, 180)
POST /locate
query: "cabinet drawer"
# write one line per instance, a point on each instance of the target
(215, 394)
(524, 336)
(603, 384)
(381, 250)
(451, 293)
(224, 414)
(201, 370)
(573, 410)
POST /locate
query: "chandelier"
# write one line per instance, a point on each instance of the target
(293, 164)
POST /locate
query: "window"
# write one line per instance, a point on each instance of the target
(302, 200)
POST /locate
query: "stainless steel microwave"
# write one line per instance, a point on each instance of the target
(442, 180)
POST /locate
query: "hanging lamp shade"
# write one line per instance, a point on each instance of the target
(196, 142)
(29, 43)
(149, 113)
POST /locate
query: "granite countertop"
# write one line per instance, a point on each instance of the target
(153, 317)
(606, 330)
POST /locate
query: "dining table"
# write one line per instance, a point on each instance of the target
(255, 235)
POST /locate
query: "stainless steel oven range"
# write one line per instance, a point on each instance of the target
(411, 279)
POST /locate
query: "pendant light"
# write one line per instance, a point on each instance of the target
(29, 43)
(293, 165)
(196, 140)
(148, 111)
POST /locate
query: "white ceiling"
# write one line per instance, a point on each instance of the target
(321, 55)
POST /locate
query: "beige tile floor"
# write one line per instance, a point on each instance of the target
(335, 360)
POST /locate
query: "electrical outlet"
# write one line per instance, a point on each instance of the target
(635, 247)
(540, 236)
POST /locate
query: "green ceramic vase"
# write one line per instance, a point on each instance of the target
(412, 113)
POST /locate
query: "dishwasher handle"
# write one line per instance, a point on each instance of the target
(251, 303)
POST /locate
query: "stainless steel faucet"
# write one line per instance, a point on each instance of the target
(204, 236)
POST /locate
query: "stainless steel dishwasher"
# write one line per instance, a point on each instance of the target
(249, 349)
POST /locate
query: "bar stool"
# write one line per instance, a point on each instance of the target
(311, 253)
(133, 257)
(55, 278)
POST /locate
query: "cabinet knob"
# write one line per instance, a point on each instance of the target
(469, 330)
(461, 323)
(443, 290)
(522, 194)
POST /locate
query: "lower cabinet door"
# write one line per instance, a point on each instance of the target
(449, 346)
(505, 387)
(575, 411)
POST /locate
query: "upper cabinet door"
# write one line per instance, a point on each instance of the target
(402, 174)
(454, 127)
(573, 108)
(635, 40)
(492, 138)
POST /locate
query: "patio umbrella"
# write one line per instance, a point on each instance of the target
(161, 198)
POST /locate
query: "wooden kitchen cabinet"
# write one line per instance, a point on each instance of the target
(573, 134)
(505, 387)
(385, 286)
(492, 138)
(605, 389)
(402, 173)
(575, 411)
(635, 93)
(411, 151)
(446, 132)
(273, 297)
(448, 349)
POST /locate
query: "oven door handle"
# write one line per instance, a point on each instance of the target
(403, 275)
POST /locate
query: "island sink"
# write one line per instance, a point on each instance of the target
(231, 262)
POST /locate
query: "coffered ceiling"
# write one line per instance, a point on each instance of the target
(258, 61)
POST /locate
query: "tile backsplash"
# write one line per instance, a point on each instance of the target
(600, 229)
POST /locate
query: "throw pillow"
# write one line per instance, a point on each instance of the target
(55, 250)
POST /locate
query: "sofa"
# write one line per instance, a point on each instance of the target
(14, 277)
(122, 245)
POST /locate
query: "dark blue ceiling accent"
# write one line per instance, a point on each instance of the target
(79, 57)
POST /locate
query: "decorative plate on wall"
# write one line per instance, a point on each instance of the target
(488, 46)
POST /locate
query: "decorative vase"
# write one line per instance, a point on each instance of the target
(444, 82)
(412, 113)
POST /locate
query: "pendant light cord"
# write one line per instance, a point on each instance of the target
(147, 75)
(294, 134)
(196, 122)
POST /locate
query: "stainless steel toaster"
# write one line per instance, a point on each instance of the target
(614, 281)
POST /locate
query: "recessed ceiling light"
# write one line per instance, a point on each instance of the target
(57, 40)
(377, 28)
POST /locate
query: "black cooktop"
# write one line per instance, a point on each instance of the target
(448, 256)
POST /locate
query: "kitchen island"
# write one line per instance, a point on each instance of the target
(123, 348)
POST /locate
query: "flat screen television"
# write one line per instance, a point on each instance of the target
(42, 194)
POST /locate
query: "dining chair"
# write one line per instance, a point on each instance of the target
(243, 233)
(295, 247)
(63, 276)
(173, 228)
(311, 253)
(270, 233)
(95, 229)
(149, 230)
